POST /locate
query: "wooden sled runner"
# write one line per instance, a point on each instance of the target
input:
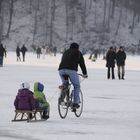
(24, 115)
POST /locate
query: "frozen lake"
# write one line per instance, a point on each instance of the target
(111, 107)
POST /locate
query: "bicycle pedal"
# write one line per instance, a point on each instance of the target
(73, 110)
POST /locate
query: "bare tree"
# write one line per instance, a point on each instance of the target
(104, 17)
(136, 10)
(35, 21)
(10, 17)
(95, 13)
(109, 15)
(67, 19)
(126, 9)
(133, 22)
(120, 17)
(30, 6)
(53, 6)
(113, 8)
(104, 21)
(47, 23)
(1, 19)
(90, 4)
(83, 19)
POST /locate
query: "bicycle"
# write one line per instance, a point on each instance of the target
(65, 100)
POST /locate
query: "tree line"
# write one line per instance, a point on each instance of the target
(75, 18)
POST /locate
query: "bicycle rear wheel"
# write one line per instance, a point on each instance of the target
(62, 108)
(79, 110)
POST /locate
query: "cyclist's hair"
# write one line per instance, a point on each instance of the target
(74, 46)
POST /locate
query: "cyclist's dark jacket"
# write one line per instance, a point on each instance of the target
(70, 60)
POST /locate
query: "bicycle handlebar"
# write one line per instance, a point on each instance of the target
(83, 76)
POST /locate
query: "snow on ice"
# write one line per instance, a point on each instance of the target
(111, 107)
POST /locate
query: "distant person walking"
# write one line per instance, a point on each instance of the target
(18, 53)
(38, 52)
(43, 51)
(23, 50)
(2, 54)
(55, 50)
(120, 58)
(110, 62)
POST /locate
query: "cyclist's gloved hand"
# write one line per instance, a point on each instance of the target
(85, 76)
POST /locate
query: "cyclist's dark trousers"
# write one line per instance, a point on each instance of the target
(112, 72)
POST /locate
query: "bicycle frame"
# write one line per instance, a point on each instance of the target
(65, 101)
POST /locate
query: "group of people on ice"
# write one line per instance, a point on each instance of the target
(39, 50)
(45, 50)
(23, 50)
(118, 57)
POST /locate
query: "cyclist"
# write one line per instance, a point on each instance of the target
(69, 66)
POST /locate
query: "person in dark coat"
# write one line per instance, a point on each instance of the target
(55, 50)
(24, 99)
(38, 52)
(23, 50)
(18, 53)
(120, 58)
(69, 66)
(2, 54)
(110, 62)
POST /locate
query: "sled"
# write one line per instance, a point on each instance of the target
(24, 115)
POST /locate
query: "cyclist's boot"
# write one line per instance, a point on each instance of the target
(75, 105)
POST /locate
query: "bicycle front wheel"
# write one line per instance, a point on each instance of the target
(79, 110)
(62, 108)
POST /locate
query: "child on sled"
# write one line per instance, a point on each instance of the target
(24, 99)
(41, 99)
